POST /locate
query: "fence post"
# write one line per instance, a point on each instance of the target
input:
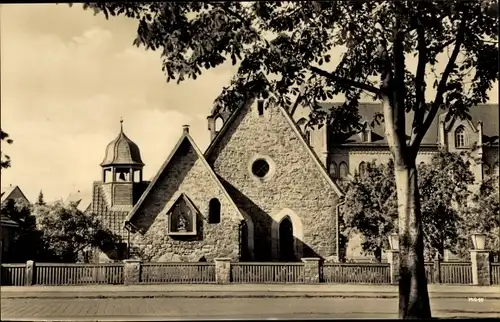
(393, 260)
(481, 269)
(29, 273)
(222, 270)
(311, 270)
(131, 271)
(436, 271)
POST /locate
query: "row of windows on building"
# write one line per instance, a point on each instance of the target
(461, 138)
(342, 171)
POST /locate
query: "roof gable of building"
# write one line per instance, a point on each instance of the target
(295, 129)
(13, 192)
(184, 139)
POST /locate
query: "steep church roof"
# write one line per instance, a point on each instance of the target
(122, 151)
(184, 139)
(295, 129)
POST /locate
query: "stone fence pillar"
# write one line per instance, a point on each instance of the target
(481, 270)
(131, 271)
(311, 270)
(29, 273)
(393, 260)
(222, 270)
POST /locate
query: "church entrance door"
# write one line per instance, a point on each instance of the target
(286, 246)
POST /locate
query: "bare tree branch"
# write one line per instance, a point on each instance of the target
(420, 85)
(399, 88)
(345, 81)
(441, 87)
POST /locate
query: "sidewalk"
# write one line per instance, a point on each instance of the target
(241, 291)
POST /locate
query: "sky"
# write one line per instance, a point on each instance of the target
(67, 77)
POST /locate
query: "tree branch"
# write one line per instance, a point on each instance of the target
(420, 85)
(438, 100)
(295, 105)
(398, 89)
(345, 81)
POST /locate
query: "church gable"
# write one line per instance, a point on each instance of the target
(267, 167)
(185, 213)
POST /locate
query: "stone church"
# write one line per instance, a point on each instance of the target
(266, 187)
(259, 192)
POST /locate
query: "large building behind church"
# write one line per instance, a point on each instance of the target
(266, 187)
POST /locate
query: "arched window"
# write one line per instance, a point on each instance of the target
(362, 169)
(422, 164)
(343, 171)
(333, 169)
(214, 211)
(218, 123)
(460, 138)
(486, 169)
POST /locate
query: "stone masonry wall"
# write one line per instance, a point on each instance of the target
(296, 184)
(187, 174)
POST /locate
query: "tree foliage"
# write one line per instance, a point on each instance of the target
(444, 191)
(67, 232)
(40, 200)
(482, 216)
(25, 239)
(370, 207)
(5, 159)
(54, 233)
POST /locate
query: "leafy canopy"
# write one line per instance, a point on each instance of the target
(371, 205)
(283, 50)
(66, 231)
(5, 159)
(444, 190)
(482, 216)
(55, 232)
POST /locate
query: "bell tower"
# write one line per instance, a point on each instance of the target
(122, 170)
(216, 120)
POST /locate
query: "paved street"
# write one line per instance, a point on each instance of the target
(240, 308)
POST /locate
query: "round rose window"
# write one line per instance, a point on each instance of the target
(260, 168)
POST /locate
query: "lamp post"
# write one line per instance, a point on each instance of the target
(480, 258)
(479, 241)
(394, 241)
(393, 257)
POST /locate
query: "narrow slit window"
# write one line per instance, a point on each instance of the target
(260, 107)
(214, 211)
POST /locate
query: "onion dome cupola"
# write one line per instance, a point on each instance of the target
(122, 159)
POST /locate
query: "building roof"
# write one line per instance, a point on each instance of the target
(12, 192)
(5, 221)
(122, 151)
(487, 113)
(185, 138)
(295, 129)
(81, 200)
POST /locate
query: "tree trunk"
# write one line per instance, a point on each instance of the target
(413, 294)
